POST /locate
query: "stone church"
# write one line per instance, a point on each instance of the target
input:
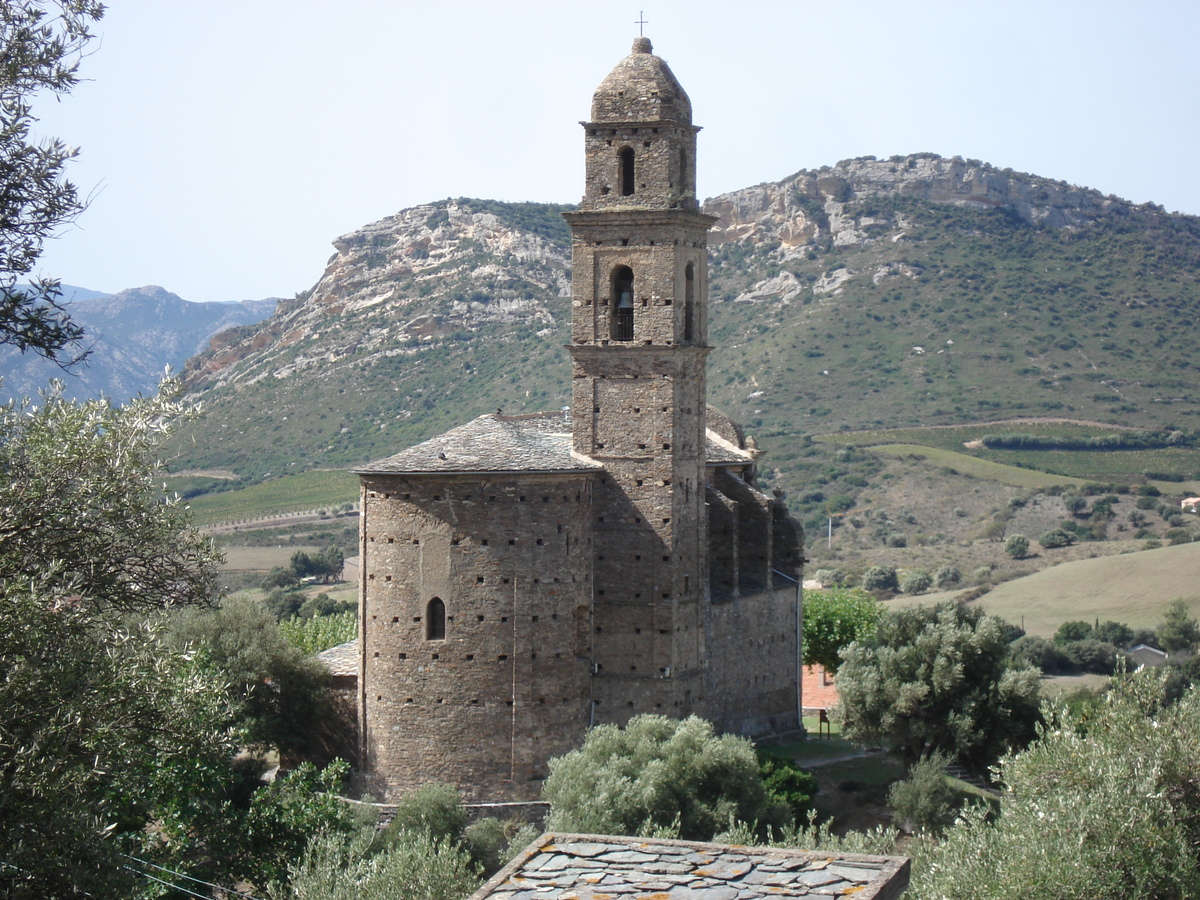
(526, 577)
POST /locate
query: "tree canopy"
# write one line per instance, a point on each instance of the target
(833, 619)
(938, 679)
(660, 776)
(1109, 812)
(43, 42)
(111, 741)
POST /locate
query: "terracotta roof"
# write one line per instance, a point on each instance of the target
(596, 867)
(532, 443)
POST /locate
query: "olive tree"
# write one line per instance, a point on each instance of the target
(43, 42)
(1101, 813)
(938, 679)
(660, 776)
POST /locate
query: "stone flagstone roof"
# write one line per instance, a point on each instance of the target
(533, 443)
(595, 867)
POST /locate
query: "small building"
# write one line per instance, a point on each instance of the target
(596, 867)
(1191, 504)
(1146, 656)
(819, 691)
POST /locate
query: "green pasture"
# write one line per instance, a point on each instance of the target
(318, 489)
(262, 559)
(1133, 588)
(1085, 465)
(953, 437)
(966, 464)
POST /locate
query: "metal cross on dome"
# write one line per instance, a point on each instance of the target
(641, 21)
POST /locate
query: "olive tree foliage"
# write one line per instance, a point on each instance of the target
(99, 727)
(352, 867)
(280, 690)
(938, 679)
(660, 777)
(833, 619)
(1113, 812)
(81, 503)
(41, 45)
(111, 740)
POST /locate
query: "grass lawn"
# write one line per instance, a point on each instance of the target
(1133, 588)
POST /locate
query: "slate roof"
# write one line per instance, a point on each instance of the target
(596, 867)
(342, 659)
(534, 443)
(491, 443)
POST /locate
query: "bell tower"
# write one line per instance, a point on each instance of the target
(639, 327)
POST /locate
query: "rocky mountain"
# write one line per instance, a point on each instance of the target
(913, 290)
(133, 336)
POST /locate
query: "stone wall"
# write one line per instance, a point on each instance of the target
(506, 688)
(752, 685)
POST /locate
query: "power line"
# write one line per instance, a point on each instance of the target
(191, 878)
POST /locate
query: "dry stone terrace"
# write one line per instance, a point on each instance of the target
(594, 867)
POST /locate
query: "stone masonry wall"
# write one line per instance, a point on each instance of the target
(506, 688)
(753, 683)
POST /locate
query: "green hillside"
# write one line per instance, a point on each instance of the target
(1110, 587)
(840, 302)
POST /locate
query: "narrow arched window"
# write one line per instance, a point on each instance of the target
(622, 304)
(689, 302)
(625, 171)
(435, 620)
(684, 181)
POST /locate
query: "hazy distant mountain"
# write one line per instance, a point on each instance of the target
(134, 335)
(913, 290)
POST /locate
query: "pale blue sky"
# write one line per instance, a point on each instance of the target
(226, 143)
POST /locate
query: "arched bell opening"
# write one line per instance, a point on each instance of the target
(622, 305)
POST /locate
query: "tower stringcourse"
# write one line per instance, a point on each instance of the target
(526, 577)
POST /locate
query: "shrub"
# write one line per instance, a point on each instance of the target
(1091, 655)
(916, 582)
(1118, 634)
(1056, 538)
(947, 577)
(1149, 490)
(1040, 653)
(982, 575)
(830, 577)
(433, 809)
(896, 539)
(660, 776)
(880, 578)
(788, 783)
(924, 801)
(279, 577)
(1017, 546)
(1076, 630)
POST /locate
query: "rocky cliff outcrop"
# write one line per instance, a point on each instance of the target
(424, 275)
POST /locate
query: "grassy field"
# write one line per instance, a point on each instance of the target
(291, 493)
(1086, 465)
(261, 559)
(966, 464)
(1133, 588)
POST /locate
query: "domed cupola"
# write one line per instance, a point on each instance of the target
(640, 146)
(641, 88)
